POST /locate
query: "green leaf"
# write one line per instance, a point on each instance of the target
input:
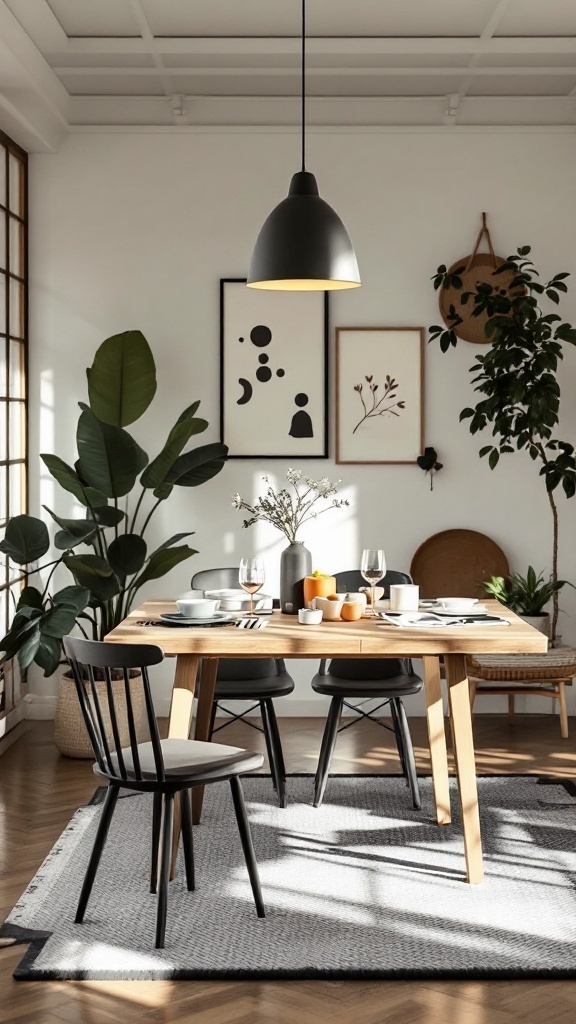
(178, 437)
(108, 515)
(72, 597)
(484, 451)
(196, 467)
(29, 647)
(58, 621)
(162, 561)
(109, 456)
(95, 574)
(73, 532)
(48, 654)
(127, 554)
(30, 597)
(70, 481)
(174, 540)
(122, 379)
(26, 539)
(494, 457)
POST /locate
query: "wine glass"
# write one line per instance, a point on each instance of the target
(251, 577)
(373, 568)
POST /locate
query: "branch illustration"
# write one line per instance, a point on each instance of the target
(379, 406)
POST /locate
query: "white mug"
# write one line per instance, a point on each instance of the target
(197, 608)
(404, 597)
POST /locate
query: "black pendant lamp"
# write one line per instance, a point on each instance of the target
(303, 245)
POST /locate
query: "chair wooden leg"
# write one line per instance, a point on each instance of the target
(408, 753)
(563, 711)
(247, 844)
(275, 768)
(188, 838)
(327, 749)
(156, 822)
(99, 842)
(164, 873)
(511, 708)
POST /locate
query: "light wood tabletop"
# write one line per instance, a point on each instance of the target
(285, 637)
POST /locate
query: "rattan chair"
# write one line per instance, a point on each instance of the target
(384, 679)
(160, 767)
(258, 680)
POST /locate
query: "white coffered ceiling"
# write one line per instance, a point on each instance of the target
(444, 64)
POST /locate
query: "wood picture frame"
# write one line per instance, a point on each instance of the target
(379, 395)
(273, 372)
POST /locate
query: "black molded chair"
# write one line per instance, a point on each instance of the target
(258, 680)
(388, 679)
(161, 767)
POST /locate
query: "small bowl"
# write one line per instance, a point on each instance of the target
(197, 608)
(309, 616)
(460, 604)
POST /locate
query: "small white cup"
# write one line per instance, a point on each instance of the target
(404, 597)
(330, 609)
(309, 616)
(197, 608)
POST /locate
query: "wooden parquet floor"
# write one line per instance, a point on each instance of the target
(39, 790)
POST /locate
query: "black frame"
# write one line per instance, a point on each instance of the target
(324, 454)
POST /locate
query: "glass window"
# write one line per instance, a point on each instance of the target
(13, 359)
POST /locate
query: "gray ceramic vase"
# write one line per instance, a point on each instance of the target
(295, 564)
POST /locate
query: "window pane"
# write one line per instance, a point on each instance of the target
(17, 431)
(3, 382)
(3, 439)
(17, 370)
(3, 505)
(16, 247)
(16, 186)
(3, 324)
(17, 489)
(16, 312)
(3, 156)
(2, 238)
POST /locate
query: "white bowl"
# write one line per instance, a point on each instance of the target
(238, 600)
(197, 608)
(309, 616)
(458, 604)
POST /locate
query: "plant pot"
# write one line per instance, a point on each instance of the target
(70, 734)
(539, 622)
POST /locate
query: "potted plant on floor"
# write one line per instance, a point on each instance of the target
(527, 595)
(517, 378)
(104, 548)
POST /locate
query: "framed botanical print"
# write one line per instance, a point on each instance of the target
(379, 394)
(273, 372)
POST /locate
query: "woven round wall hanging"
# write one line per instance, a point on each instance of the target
(477, 268)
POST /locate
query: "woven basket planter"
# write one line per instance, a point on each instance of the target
(70, 735)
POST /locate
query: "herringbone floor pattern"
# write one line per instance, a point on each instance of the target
(39, 790)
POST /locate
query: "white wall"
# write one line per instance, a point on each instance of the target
(134, 230)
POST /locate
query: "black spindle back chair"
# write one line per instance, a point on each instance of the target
(163, 767)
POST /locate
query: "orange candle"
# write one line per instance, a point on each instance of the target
(318, 586)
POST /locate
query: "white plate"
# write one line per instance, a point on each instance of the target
(189, 621)
(476, 609)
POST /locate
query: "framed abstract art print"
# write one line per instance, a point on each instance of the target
(379, 394)
(273, 372)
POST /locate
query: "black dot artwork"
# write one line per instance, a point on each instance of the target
(240, 339)
(263, 373)
(260, 336)
(263, 358)
(301, 425)
(280, 372)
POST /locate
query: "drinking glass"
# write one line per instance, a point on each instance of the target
(251, 577)
(373, 568)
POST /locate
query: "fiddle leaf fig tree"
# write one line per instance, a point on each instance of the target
(517, 378)
(118, 488)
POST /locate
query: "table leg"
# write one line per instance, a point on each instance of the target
(203, 719)
(437, 739)
(180, 723)
(459, 696)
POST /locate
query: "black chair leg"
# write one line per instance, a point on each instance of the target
(327, 749)
(164, 874)
(247, 844)
(277, 781)
(156, 821)
(398, 737)
(277, 741)
(408, 754)
(212, 718)
(99, 842)
(187, 837)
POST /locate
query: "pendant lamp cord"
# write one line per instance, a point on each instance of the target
(303, 85)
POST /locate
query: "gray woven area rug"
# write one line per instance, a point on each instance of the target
(362, 887)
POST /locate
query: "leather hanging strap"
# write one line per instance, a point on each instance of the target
(483, 231)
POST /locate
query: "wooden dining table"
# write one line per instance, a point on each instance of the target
(285, 637)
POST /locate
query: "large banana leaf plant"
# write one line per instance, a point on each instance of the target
(104, 547)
